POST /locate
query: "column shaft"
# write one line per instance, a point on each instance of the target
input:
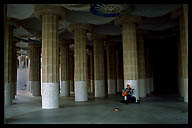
(8, 61)
(81, 72)
(111, 69)
(14, 70)
(65, 87)
(99, 74)
(130, 57)
(184, 50)
(50, 62)
(71, 71)
(34, 70)
(92, 72)
(141, 66)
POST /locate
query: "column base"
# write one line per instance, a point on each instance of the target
(65, 88)
(119, 85)
(141, 86)
(36, 88)
(81, 91)
(8, 93)
(185, 81)
(134, 85)
(50, 95)
(99, 88)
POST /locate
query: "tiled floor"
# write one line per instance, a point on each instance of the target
(152, 110)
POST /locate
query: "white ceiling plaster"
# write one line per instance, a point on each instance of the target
(87, 17)
(20, 11)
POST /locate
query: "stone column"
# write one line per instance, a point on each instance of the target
(34, 70)
(81, 72)
(71, 71)
(182, 15)
(50, 53)
(183, 21)
(64, 58)
(14, 69)
(111, 69)
(99, 74)
(9, 75)
(130, 51)
(92, 71)
(119, 67)
(141, 65)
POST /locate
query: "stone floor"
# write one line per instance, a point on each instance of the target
(152, 110)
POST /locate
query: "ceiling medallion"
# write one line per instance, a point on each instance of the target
(111, 10)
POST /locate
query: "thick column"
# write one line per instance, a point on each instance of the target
(183, 21)
(71, 71)
(50, 54)
(34, 70)
(130, 51)
(9, 74)
(141, 65)
(119, 65)
(81, 72)
(99, 74)
(111, 69)
(64, 58)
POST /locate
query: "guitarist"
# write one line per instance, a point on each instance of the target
(127, 92)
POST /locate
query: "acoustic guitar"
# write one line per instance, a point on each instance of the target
(125, 92)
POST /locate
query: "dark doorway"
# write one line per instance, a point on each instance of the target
(163, 56)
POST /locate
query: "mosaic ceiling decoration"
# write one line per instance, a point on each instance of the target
(111, 10)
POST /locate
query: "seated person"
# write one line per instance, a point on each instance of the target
(127, 92)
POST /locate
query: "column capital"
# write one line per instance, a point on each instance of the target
(42, 9)
(128, 19)
(75, 26)
(98, 37)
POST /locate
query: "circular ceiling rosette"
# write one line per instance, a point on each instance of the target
(111, 10)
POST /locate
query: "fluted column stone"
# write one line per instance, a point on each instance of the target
(71, 71)
(50, 16)
(141, 65)
(64, 61)
(111, 69)
(130, 50)
(9, 76)
(99, 73)
(81, 71)
(34, 70)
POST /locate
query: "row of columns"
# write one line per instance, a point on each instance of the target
(134, 63)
